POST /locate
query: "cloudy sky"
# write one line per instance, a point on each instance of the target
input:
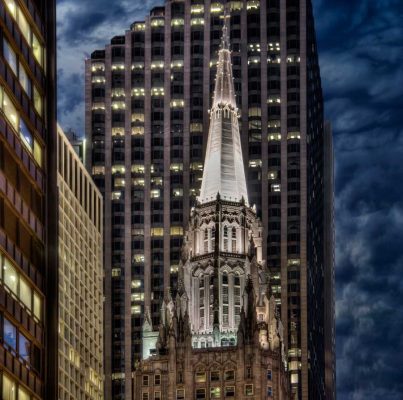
(361, 53)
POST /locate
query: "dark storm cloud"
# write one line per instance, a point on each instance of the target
(360, 51)
(361, 48)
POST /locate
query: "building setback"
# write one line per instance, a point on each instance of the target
(147, 99)
(80, 278)
(28, 198)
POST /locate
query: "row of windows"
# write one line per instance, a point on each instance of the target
(215, 392)
(20, 72)
(20, 346)
(13, 391)
(13, 117)
(26, 30)
(20, 288)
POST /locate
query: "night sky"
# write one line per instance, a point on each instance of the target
(361, 55)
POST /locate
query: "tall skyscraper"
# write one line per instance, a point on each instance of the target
(147, 99)
(220, 337)
(80, 278)
(28, 198)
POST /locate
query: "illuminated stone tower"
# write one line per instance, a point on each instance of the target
(220, 336)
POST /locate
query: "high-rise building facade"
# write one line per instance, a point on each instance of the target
(28, 198)
(147, 99)
(80, 278)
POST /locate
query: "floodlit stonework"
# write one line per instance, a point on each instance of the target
(220, 336)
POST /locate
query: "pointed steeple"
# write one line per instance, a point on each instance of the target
(223, 167)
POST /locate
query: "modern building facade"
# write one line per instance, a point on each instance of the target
(80, 278)
(221, 337)
(28, 225)
(147, 99)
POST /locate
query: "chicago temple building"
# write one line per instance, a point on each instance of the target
(220, 334)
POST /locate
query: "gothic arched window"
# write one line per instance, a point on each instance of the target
(206, 240)
(233, 240)
(225, 239)
(225, 302)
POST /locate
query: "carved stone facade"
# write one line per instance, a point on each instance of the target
(220, 336)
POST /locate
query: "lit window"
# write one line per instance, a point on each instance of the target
(176, 231)
(174, 268)
(117, 169)
(25, 293)
(37, 49)
(215, 393)
(177, 64)
(235, 5)
(177, 21)
(24, 26)
(118, 132)
(294, 379)
(273, 99)
(255, 163)
(138, 182)
(200, 377)
(217, 8)
(116, 272)
(139, 258)
(9, 388)
(176, 167)
(157, 231)
(119, 105)
(10, 277)
(98, 106)
(157, 22)
(119, 66)
(177, 103)
(37, 306)
(275, 187)
(12, 7)
(98, 170)
(274, 136)
(138, 130)
(155, 193)
(157, 65)
(255, 112)
(136, 309)
(272, 175)
(177, 192)
(119, 182)
(138, 169)
(137, 117)
(136, 283)
(137, 297)
(116, 195)
(38, 101)
(197, 9)
(293, 135)
(197, 21)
